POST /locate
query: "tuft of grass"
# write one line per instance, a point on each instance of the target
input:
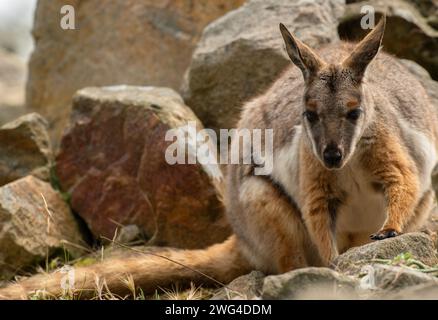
(85, 262)
(193, 293)
(406, 259)
(56, 184)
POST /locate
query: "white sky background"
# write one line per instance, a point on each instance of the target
(16, 20)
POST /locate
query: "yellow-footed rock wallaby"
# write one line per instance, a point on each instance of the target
(354, 146)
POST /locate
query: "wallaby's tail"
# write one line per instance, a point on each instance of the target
(219, 263)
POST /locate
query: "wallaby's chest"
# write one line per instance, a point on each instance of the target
(363, 208)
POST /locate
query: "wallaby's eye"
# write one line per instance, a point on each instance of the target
(311, 116)
(353, 115)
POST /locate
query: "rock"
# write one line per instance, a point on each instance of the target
(310, 283)
(394, 278)
(112, 163)
(128, 234)
(147, 42)
(28, 232)
(246, 287)
(12, 86)
(427, 8)
(25, 149)
(419, 245)
(407, 33)
(426, 291)
(241, 54)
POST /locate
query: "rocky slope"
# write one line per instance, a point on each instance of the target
(107, 176)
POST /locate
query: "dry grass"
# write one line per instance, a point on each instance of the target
(101, 290)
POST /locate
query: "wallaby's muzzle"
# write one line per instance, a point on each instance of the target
(332, 156)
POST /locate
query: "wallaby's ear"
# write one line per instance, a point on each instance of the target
(365, 51)
(301, 55)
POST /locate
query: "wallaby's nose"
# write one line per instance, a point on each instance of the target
(332, 156)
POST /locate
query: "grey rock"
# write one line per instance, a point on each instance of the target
(428, 9)
(408, 34)
(310, 283)
(419, 245)
(425, 291)
(394, 278)
(128, 234)
(241, 54)
(245, 287)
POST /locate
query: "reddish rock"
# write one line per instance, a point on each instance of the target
(112, 162)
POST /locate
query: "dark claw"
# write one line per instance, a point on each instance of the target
(384, 234)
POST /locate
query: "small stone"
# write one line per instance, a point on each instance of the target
(246, 287)
(25, 149)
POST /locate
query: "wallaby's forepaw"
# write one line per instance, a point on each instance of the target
(384, 234)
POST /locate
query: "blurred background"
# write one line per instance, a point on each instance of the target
(16, 45)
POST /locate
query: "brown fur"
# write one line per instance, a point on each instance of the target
(221, 262)
(306, 213)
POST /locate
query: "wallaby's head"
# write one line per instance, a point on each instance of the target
(334, 111)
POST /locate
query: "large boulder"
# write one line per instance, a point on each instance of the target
(419, 245)
(35, 223)
(146, 42)
(25, 149)
(241, 54)
(408, 34)
(112, 163)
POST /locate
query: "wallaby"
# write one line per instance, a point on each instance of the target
(355, 143)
